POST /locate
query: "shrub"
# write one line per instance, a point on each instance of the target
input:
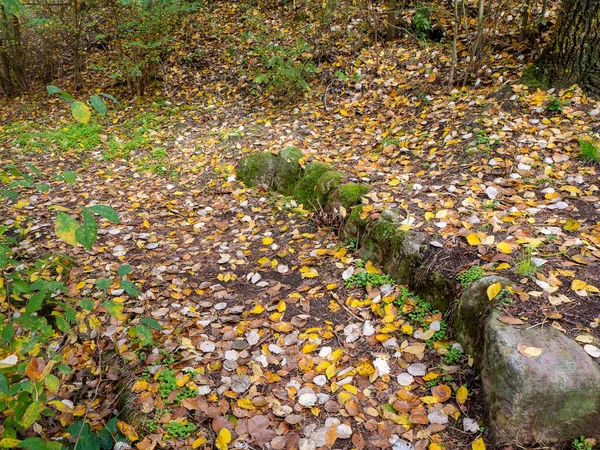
(284, 70)
(140, 34)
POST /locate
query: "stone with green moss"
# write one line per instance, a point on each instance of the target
(550, 396)
(349, 195)
(325, 185)
(472, 310)
(304, 192)
(257, 169)
(288, 170)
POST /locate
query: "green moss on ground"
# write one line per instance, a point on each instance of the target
(304, 192)
(257, 169)
(288, 170)
(533, 78)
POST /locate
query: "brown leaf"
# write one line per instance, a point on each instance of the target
(358, 441)
(441, 392)
(510, 320)
(35, 368)
(260, 429)
(331, 435)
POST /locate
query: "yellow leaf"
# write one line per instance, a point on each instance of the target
(572, 225)
(9, 442)
(503, 266)
(198, 442)
(267, 241)
(493, 290)
(309, 273)
(365, 369)
(396, 182)
(344, 113)
(434, 446)
(246, 403)
(407, 329)
(370, 268)
(140, 386)
(478, 444)
(429, 400)
(578, 285)
(223, 439)
(429, 215)
(127, 430)
(504, 247)
(473, 239)
(309, 348)
(258, 309)
(461, 394)
(529, 352)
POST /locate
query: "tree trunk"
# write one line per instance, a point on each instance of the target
(572, 55)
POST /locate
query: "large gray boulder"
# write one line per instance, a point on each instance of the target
(553, 397)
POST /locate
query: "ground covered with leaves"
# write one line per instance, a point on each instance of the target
(219, 316)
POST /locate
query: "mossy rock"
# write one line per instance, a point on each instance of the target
(288, 170)
(257, 169)
(471, 313)
(348, 195)
(304, 192)
(355, 226)
(325, 185)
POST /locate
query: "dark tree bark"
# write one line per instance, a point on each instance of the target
(573, 53)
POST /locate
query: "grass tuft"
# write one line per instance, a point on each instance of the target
(590, 151)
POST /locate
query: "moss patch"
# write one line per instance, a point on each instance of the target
(288, 170)
(257, 169)
(350, 194)
(533, 78)
(304, 192)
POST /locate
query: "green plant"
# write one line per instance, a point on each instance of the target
(452, 356)
(181, 430)
(524, 266)
(368, 280)
(555, 104)
(40, 312)
(284, 69)
(590, 151)
(422, 21)
(470, 276)
(582, 444)
(168, 384)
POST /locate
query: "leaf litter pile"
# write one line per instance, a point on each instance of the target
(223, 317)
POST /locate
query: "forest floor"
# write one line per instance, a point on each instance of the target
(248, 295)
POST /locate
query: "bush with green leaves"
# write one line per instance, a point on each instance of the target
(38, 312)
(140, 35)
(284, 69)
